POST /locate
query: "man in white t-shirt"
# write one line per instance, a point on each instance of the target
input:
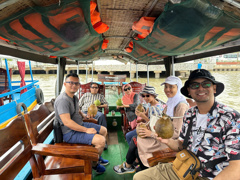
(214, 134)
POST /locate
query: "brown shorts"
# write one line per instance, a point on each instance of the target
(161, 171)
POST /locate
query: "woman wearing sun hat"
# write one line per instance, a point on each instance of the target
(155, 106)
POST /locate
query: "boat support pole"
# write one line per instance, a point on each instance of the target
(92, 71)
(58, 77)
(77, 67)
(30, 68)
(173, 71)
(136, 71)
(60, 74)
(86, 72)
(147, 75)
(8, 76)
(130, 72)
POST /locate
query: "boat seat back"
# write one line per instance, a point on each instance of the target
(112, 78)
(15, 148)
(84, 88)
(40, 123)
(58, 162)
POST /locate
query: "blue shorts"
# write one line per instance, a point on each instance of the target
(81, 137)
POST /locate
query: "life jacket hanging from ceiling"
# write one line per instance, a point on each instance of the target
(98, 26)
(105, 44)
(143, 28)
(130, 47)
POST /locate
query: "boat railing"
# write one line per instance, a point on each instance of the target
(18, 90)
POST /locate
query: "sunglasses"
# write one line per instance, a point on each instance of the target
(72, 83)
(204, 84)
(127, 89)
(94, 87)
(145, 95)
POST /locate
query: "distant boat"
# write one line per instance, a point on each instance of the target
(17, 96)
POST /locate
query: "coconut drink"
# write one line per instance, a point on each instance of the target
(97, 102)
(92, 110)
(142, 125)
(164, 127)
(119, 102)
(140, 108)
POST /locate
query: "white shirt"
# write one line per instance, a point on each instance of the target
(198, 131)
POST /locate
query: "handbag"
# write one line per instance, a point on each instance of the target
(187, 166)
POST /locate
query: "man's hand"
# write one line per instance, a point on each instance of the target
(91, 131)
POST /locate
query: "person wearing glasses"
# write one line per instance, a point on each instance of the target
(214, 133)
(88, 98)
(130, 102)
(155, 107)
(73, 128)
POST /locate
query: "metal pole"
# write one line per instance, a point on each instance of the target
(147, 75)
(173, 71)
(130, 71)
(136, 72)
(8, 76)
(78, 68)
(92, 71)
(86, 72)
(58, 77)
(30, 68)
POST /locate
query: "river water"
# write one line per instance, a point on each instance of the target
(230, 95)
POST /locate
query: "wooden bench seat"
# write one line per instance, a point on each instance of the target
(57, 165)
(62, 162)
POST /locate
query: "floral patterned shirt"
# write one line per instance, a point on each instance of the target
(221, 137)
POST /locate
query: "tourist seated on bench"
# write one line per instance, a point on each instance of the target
(88, 99)
(130, 101)
(71, 118)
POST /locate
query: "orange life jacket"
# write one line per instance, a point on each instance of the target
(98, 26)
(130, 47)
(105, 44)
(143, 27)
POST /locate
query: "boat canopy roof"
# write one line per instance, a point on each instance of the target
(146, 31)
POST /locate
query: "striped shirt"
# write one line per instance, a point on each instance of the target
(88, 98)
